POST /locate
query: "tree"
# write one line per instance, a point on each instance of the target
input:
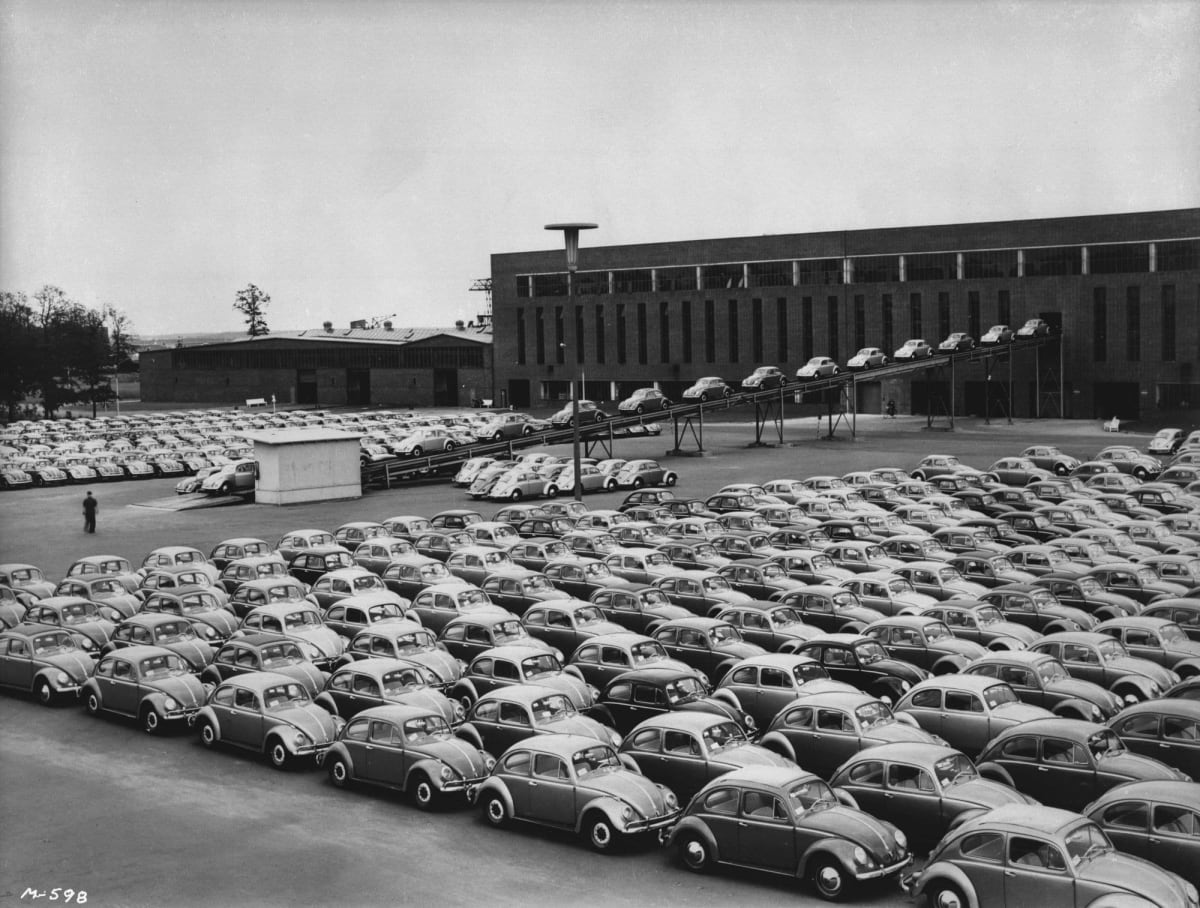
(252, 303)
(19, 343)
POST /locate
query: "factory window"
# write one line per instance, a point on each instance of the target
(1004, 308)
(770, 274)
(1052, 261)
(600, 334)
(821, 271)
(580, 350)
(888, 317)
(1168, 322)
(676, 279)
(734, 340)
(520, 337)
(550, 284)
(914, 315)
(621, 333)
(633, 281)
(831, 309)
(560, 346)
(686, 317)
(710, 331)
(590, 283)
(781, 329)
(877, 269)
(1177, 255)
(721, 277)
(524, 286)
(664, 333)
(990, 263)
(860, 321)
(756, 330)
(641, 330)
(943, 316)
(539, 329)
(1099, 324)
(1119, 258)
(974, 315)
(1133, 323)
(806, 315)
(931, 266)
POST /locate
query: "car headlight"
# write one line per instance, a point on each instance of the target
(558, 654)
(860, 856)
(459, 712)
(1096, 714)
(905, 686)
(614, 737)
(901, 839)
(1155, 690)
(62, 679)
(489, 763)
(209, 631)
(300, 739)
(447, 774)
(750, 723)
(170, 703)
(87, 643)
(627, 814)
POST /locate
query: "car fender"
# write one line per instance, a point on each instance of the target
(1187, 668)
(155, 699)
(470, 734)
(727, 696)
(944, 870)
(338, 749)
(949, 665)
(778, 743)
(1076, 708)
(89, 686)
(841, 850)
(206, 714)
(606, 804)
(430, 767)
(1121, 900)
(574, 670)
(630, 763)
(996, 773)
(464, 687)
(845, 798)
(907, 719)
(693, 826)
(498, 788)
(1134, 686)
(326, 702)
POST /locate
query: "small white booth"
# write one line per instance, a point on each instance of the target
(299, 465)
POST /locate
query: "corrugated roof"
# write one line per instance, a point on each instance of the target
(479, 334)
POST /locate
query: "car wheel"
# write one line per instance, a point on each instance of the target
(495, 812)
(466, 700)
(1140, 473)
(417, 451)
(638, 483)
(91, 703)
(450, 446)
(208, 733)
(279, 754)
(703, 397)
(516, 495)
(339, 773)
(600, 833)
(1060, 469)
(694, 854)
(570, 421)
(944, 894)
(151, 721)
(640, 410)
(424, 794)
(830, 879)
(528, 430)
(551, 491)
(497, 436)
(226, 489)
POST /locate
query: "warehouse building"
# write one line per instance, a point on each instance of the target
(328, 367)
(1121, 289)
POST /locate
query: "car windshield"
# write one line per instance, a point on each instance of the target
(597, 569)
(426, 728)
(416, 642)
(173, 631)
(723, 735)
(785, 617)
(280, 654)
(653, 597)
(434, 572)
(588, 616)
(810, 795)
(1111, 650)
(1001, 563)
(873, 714)
(508, 631)
(301, 619)
(683, 689)
(598, 759)
(998, 695)
(534, 584)
(79, 613)
(988, 615)
(954, 768)
(286, 593)
(869, 652)
(1105, 744)
(283, 696)
(165, 665)
(1172, 633)
(370, 582)
(820, 562)
(725, 633)
(551, 709)
(541, 664)
(647, 651)
(1051, 671)
(401, 680)
(899, 587)
(936, 631)
(716, 584)
(49, 644)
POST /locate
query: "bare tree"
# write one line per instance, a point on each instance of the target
(252, 303)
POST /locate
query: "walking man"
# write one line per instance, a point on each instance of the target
(891, 409)
(89, 513)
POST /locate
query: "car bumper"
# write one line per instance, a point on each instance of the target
(886, 871)
(467, 786)
(187, 714)
(657, 824)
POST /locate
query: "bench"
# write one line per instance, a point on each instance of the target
(1113, 425)
(256, 402)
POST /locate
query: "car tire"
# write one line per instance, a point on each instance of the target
(151, 721)
(226, 489)
(670, 479)
(944, 894)
(466, 701)
(515, 495)
(694, 853)
(830, 879)
(703, 397)
(424, 794)
(91, 703)
(450, 446)
(208, 734)
(551, 491)
(640, 410)
(638, 483)
(494, 811)
(417, 451)
(339, 773)
(278, 754)
(1060, 469)
(600, 834)
(498, 436)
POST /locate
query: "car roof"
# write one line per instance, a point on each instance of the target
(628, 638)
(773, 776)
(977, 683)
(514, 651)
(1175, 706)
(1058, 726)
(845, 699)
(909, 751)
(654, 675)
(1025, 818)
(258, 681)
(776, 660)
(684, 720)
(255, 640)
(376, 666)
(906, 621)
(1156, 790)
(694, 622)
(396, 712)
(1012, 655)
(134, 653)
(564, 746)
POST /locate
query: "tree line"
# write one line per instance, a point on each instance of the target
(59, 351)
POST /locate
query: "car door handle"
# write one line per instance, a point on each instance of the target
(1009, 873)
(741, 824)
(533, 784)
(1154, 841)
(1043, 769)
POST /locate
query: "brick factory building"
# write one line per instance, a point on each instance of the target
(327, 367)
(1123, 290)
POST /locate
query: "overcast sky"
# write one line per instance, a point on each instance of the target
(360, 158)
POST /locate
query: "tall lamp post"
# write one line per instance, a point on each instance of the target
(571, 239)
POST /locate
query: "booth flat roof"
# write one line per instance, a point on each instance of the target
(298, 436)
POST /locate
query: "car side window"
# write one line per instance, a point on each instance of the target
(1081, 654)
(800, 718)
(1035, 854)
(506, 670)
(1179, 821)
(1179, 729)
(356, 730)
(648, 739)
(513, 714)
(1144, 726)
(747, 674)
(773, 677)
(486, 711)
(911, 778)
(1127, 815)
(245, 699)
(930, 698)
(518, 764)
(762, 806)
(366, 686)
(722, 801)
(648, 694)
(548, 766)
(963, 702)
(833, 720)
(382, 733)
(680, 743)
(1066, 752)
(869, 773)
(983, 846)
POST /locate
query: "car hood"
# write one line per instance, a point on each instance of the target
(193, 651)
(739, 648)
(185, 689)
(223, 622)
(859, 827)
(577, 691)
(77, 664)
(749, 755)
(1011, 629)
(966, 589)
(311, 677)
(1086, 690)
(955, 646)
(1139, 768)
(576, 725)
(895, 732)
(442, 664)
(1130, 874)
(985, 793)
(1015, 576)
(311, 719)
(323, 638)
(464, 758)
(1133, 665)
(427, 698)
(898, 668)
(1020, 712)
(645, 797)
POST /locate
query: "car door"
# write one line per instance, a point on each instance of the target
(766, 833)
(1036, 873)
(386, 759)
(983, 864)
(682, 765)
(244, 719)
(16, 666)
(119, 690)
(1067, 777)
(910, 798)
(552, 791)
(834, 740)
(1174, 839)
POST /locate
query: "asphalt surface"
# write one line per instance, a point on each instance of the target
(96, 805)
